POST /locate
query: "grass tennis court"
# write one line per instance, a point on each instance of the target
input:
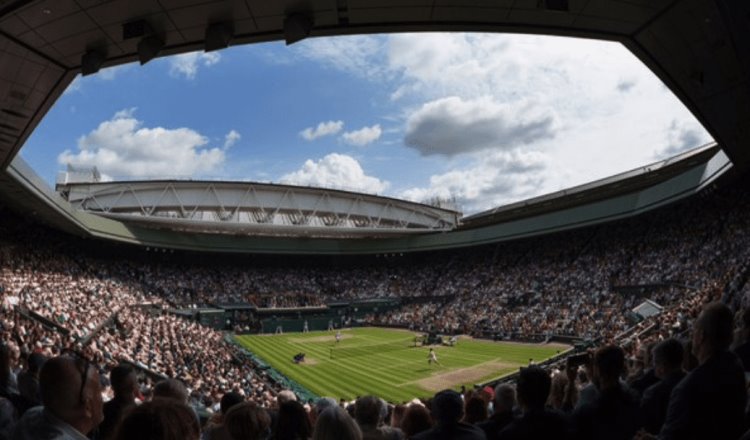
(384, 362)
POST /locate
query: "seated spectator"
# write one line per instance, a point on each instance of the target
(397, 414)
(216, 429)
(248, 421)
(72, 402)
(369, 412)
(8, 418)
(416, 419)
(160, 419)
(8, 385)
(710, 401)
(293, 423)
(556, 397)
(668, 368)
(475, 410)
(504, 402)
(125, 387)
(321, 405)
(647, 376)
(536, 422)
(614, 413)
(171, 389)
(28, 379)
(447, 411)
(335, 424)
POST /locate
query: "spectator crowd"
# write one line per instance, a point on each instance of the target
(75, 315)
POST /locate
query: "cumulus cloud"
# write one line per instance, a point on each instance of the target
(123, 148)
(682, 136)
(323, 129)
(335, 171)
(231, 138)
(493, 179)
(187, 64)
(451, 126)
(363, 136)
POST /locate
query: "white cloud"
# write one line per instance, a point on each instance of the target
(231, 138)
(335, 171)
(122, 147)
(490, 180)
(680, 137)
(187, 64)
(106, 74)
(323, 129)
(451, 126)
(363, 136)
(361, 55)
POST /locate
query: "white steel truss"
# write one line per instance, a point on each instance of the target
(256, 208)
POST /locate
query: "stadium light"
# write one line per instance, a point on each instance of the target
(297, 27)
(218, 36)
(91, 62)
(148, 48)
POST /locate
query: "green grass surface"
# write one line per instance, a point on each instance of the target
(393, 374)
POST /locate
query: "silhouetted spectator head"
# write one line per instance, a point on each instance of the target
(335, 424)
(324, 403)
(171, 389)
(557, 390)
(293, 422)
(505, 397)
(415, 420)
(447, 407)
(160, 419)
(667, 357)
(285, 396)
(70, 390)
(124, 382)
(368, 410)
(397, 415)
(34, 362)
(247, 421)
(321, 405)
(609, 365)
(712, 331)
(475, 410)
(533, 387)
(228, 400)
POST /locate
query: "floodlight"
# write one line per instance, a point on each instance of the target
(149, 48)
(218, 36)
(297, 27)
(91, 62)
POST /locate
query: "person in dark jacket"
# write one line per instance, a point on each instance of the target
(504, 402)
(72, 402)
(447, 411)
(614, 413)
(668, 368)
(709, 403)
(537, 422)
(125, 386)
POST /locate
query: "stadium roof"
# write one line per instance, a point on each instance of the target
(699, 48)
(256, 208)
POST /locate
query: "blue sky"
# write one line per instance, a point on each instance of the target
(485, 118)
